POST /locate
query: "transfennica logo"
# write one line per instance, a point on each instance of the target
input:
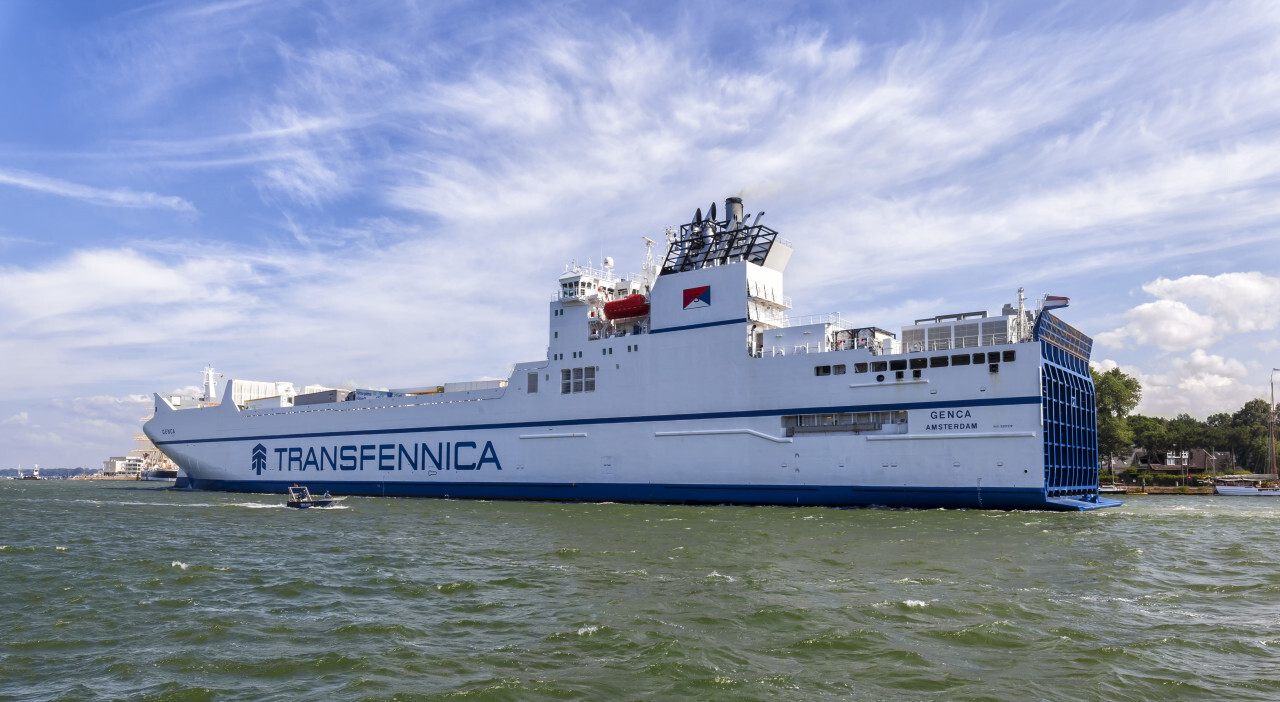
(442, 455)
(259, 459)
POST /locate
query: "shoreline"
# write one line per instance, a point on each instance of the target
(1165, 490)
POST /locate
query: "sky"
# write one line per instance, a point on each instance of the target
(382, 194)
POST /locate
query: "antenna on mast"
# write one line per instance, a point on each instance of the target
(649, 266)
(1022, 317)
(210, 386)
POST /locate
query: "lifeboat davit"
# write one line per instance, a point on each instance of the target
(633, 306)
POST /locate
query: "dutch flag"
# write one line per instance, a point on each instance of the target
(1053, 301)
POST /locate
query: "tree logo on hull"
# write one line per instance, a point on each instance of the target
(259, 459)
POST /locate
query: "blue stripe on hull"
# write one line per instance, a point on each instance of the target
(704, 325)
(798, 495)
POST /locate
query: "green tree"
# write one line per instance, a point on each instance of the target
(1116, 395)
(1149, 433)
(1185, 433)
(1249, 436)
(1217, 437)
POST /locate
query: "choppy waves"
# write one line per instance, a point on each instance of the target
(195, 596)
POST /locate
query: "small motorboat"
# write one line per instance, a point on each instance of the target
(301, 498)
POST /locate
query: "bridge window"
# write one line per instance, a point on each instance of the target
(1009, 356)
(979, 359)
(879, 366)
(899, 364)
(859, 368)
(938, 362)
(574, 380)
(960, 360)
(919, 363)
(533, 382)
(837, 370)
(822, 370)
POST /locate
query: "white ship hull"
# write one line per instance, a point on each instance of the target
(682, 412)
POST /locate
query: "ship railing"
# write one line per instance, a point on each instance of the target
(779, 300)
(796, 350)
(765, 293)
(604, 274)
(774, 318)
(832, 318)
(613, 333)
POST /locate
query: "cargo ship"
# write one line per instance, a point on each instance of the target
(690, 382)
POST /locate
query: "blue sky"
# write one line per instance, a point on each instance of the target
(382, 193)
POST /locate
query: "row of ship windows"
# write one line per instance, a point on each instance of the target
(894, 422)
(608, 351)
(961, 359)
(845, 418)
(571, 380)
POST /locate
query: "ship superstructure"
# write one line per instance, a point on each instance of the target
(689, 383)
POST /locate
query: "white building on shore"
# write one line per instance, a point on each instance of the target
(129, 466)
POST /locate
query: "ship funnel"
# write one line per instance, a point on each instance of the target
(733, 212)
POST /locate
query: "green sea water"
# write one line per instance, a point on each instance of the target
(123, 591)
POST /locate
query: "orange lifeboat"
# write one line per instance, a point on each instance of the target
(633, 306)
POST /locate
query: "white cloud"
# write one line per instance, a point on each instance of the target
(1169, 324)
(1241, 302)
(21, 418)
(48, 440)
(1230, 303)
(90, 281)
(1104, 365)
(119, 197)
(1199, 384)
